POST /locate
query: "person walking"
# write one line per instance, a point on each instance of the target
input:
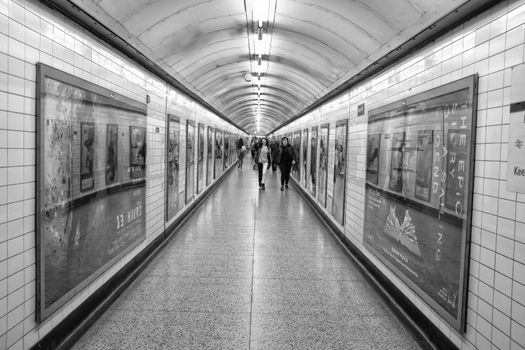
(274, 149)
(286, 158)
(241, 151)
(263, 159)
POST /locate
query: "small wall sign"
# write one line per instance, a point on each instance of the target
(361, 109)
(516, 154)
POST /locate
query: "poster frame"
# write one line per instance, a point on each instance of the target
(190, 166)
(297, 174)
(200, 158)
(343, 122)
(312, 186)
(320, 200)
(304, 157)
(470, 83)
(115, 100)
(210, 144)
(175, 119)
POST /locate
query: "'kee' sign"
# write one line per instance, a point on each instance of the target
(516, 161)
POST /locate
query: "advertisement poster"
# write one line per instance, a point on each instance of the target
(338, 205)
(416, 222)
(304, 159)
(209, 156)
(296, 143)
(80, 234)
(137, 146)
(87, 156)
(111, 154)
(172, 170)
(190, 160)
(217, 169)
(313, 162)
(323, 164)
(200, 159)
(226, 153)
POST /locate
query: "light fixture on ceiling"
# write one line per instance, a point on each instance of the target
(259, 36)
(260, 11)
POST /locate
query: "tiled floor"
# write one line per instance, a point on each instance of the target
(250, 269)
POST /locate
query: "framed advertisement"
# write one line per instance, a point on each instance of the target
(209, 156)
(226, 153)
(304, 159)
(230, 149)
(323, 164)
(217, 166)
(418, 222)
(81, 130)
(111, 154)
(200, 158)
(296, 144)
(172, 169)
(338, 205)
(312, 186)
(190, 160)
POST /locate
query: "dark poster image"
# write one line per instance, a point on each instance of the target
(313, 162)
(418, 221)
(79, 235)
(111, 153)
(200, 159)
(372, 158)
(137, 154)
(323, 164)
(424, 165)
(230, 148)
(338, 205)
(172, 170)
(396, 162)
(190, 160)
(87, 156)
(304, 159)
(296, 168)
(209, 156)
(226, 160)
(217, 168)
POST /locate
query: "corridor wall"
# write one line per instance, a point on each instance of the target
(488, 45)
(30, 33)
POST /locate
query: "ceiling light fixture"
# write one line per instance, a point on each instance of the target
(260, 38)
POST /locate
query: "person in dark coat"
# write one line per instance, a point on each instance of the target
(286, 157)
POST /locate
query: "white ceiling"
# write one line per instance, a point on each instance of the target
(312, 47)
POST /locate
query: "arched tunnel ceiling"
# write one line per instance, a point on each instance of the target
(310, 47)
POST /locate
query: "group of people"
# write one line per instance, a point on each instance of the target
(269, 154)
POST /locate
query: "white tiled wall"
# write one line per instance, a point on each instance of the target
(489, 45)
(31, 33)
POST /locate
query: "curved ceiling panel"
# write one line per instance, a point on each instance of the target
(262, 62)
